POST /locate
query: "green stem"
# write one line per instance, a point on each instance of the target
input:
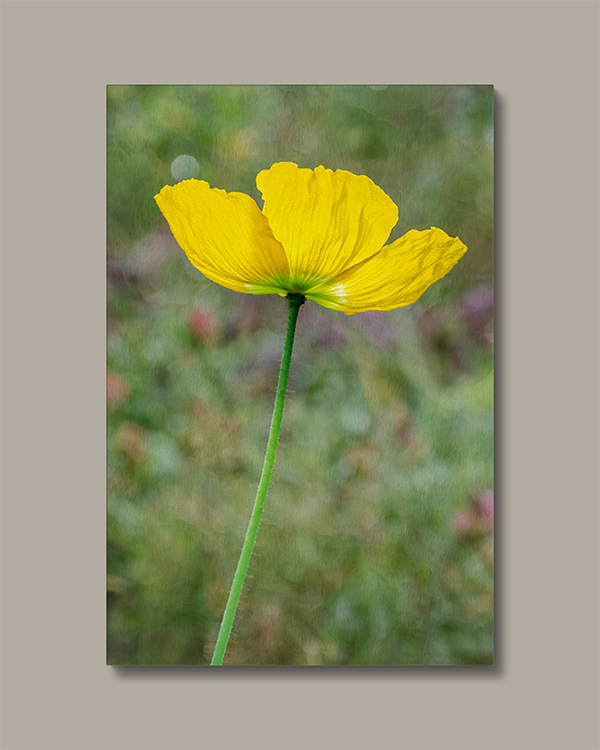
(295, 301)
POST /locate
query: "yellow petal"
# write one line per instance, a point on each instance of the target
(394, 277)
(326, 221)
(224, 235)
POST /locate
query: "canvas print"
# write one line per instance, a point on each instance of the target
(300, 364)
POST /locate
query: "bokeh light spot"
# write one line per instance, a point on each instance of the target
(185, 168)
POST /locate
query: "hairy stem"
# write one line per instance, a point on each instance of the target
(295, 301)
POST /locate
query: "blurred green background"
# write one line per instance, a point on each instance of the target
(376, 546)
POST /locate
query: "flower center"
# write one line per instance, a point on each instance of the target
(312, 287)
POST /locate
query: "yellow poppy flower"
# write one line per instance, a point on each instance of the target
(320, 233)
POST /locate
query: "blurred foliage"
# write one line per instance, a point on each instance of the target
(376, 543)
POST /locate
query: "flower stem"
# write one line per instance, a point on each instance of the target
(295, 301)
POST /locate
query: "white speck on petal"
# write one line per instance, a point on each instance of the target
(339, 290)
